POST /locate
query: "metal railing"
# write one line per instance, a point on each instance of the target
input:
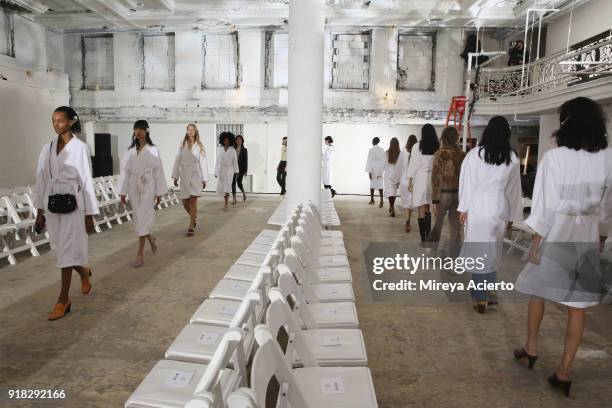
(555, 72)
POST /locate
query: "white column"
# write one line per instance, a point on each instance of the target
(304, 143)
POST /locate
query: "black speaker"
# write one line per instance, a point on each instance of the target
(102, 166)
(102, 144)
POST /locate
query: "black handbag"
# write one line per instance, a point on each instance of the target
(60, 203)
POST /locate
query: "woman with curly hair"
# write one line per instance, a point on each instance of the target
(226, 166)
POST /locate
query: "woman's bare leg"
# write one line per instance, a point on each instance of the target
(186, 204)
(193, 207)
(535, 314)
(573, 338)
(65, 290)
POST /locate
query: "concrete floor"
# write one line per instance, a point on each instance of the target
(421, 355)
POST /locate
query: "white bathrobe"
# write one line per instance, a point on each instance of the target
(402, 167)
(419, 170)
(66, 173)
(572, 205)
(142, 180)
(391, 178)
(491, 197)
(376, 165)
(191, 169)
(326, 165)
(225, 168)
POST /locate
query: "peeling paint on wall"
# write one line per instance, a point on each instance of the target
(351, 60)
(416, 68)
(277, 60)
(221, 57)
(157, 67)
(7, 33)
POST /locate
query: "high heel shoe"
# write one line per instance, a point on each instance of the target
(86, 284)
(407, 227)
(153, 243)
(480, 306)
(60, 310)
(564, 386)
(139, 262)
(521, 354)
(371, 202)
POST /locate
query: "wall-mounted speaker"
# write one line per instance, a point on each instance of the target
(102, 166)
(102, 144)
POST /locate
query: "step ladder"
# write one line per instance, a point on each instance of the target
(454, 118)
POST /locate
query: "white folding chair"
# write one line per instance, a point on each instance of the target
(328, 347)
(197, 343)
(312, 209)
(328, 273)
(8, 227)
(234, 289)
(520, 231)
(312, 286)
(340, 315)
(308, 387)
(26, 219)
(15, 230)
(173, 384)
(318, 244)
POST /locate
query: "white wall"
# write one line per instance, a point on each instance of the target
(588, 20)
(28, 98)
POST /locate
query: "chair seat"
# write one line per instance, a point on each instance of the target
(242, 272)
(332, 250)
(331, 234)
(264, 239)
(251, 259)
(333, 292)
(331, 241)
(216, 312)
(340, 315)
(329, 275)
(231, 289)
(197, 343)
(336, 347)
(258, 248)
(269, 233)
(171, 384)
(332, 261)
(337, 387)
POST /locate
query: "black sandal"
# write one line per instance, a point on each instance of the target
(521, 354)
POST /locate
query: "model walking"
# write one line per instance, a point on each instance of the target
(419, 177)
(327, 164)
(489, 201)
(226, 166)
(375, 167)
(190, 172)
(143, 182)
(445, 190)
(571, 216)
(243, 166)
(406, 195)
(392, 174)
(66, 202)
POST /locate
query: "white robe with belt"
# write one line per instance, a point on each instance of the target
(419, 170)
(571, 208)
(142, 180)
(68, 172)
(326, 165)
(376, 165)
(391, 177)
(191, 169)
(225, 168)
(491, 197)
(402, 167)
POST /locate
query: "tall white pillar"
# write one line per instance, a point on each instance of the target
(304, 142)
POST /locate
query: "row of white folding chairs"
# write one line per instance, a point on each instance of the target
(234, 307)
(189, 345)
(328, 214)
(17, 224)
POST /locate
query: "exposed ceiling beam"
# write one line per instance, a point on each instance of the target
(35, 6)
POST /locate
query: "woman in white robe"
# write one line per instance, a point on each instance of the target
(190, 173)
(406, 195)
(571, 216)
(392, 174)
(64, 167)
(143, 181)
(419, 177)
(375, 167)
(489, 201)
(327, 162)
(226, 166)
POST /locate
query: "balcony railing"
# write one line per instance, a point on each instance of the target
(555, 72)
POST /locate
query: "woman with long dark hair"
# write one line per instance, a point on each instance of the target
(143, 182)
(64, 168)
(403, 163)
(489, 201)
(191, 169)
(375, 167)
(571, 216)
(391, 174)
(243, 166)
(226, 166)
(419, 177)
(327, 165)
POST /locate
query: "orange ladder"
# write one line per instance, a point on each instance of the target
(455, 114)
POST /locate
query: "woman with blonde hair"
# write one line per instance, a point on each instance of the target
(392, 175)
(191, 170)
